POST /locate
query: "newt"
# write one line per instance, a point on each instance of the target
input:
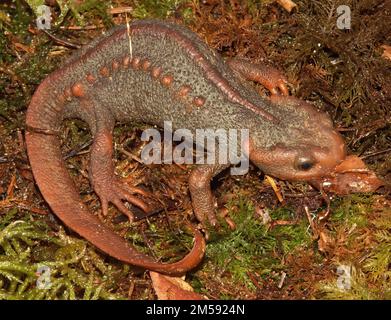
(153, 72)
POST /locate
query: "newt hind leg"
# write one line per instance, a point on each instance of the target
(109, 187)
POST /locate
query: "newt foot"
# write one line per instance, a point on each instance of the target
(116, 191)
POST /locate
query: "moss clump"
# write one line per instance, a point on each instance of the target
(80, 10)
(254, 248)
(369, 262)
(38, 264)
(352, 209)
(161, 9)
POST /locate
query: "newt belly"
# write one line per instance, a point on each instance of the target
(167, 74)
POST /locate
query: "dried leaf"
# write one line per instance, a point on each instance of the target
(350, 176)
(173, 288)
(387, 52)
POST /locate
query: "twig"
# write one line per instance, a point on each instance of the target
(311, 221)
(282, 223)
(11, 187)
(375, 153)
(129, 154)
(21, 205)
(301, 195)
(275, 188)
(119, 10)
(61, 42)
(326, 198)
(180, 166)
(78, 150)
(281, 283)
(254, 280)
(131, 289)
(129, 33)
(16, 78)
(78, 28)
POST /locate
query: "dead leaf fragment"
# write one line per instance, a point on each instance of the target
(173, 288)
(350, 176)
(326, 242)
(288, 5)
(387, 52)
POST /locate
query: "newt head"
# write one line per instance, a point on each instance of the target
(307, 148)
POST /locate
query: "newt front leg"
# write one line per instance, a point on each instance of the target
(269, 77)
(201, 193)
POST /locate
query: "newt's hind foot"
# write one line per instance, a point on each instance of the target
(109, 187)
(116, 191)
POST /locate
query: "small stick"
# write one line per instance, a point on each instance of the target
(283, 223)
(311, 221)
(131, 289)
(326, 198)
(77, 28)
(79, 150)
(254, 280)
(120, 10)
(129, 37)
(62, 42)
(275, 188)
(130, 155)
(21, 205)
(375, 153)
(180, 166)
(11, 187)
(281, 283)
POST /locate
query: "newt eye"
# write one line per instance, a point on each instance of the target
(304, 163)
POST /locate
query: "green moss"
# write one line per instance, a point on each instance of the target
(355, 289)
(81, 10)
(352, 209)
(160, 9)
(24, 64)
(370, 277)
(72, 271)
(165, 243)
(251, 247)
(378, 262)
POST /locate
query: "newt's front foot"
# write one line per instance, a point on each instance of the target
(271, 78)
(202, 196)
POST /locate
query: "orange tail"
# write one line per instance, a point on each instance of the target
(61, 194)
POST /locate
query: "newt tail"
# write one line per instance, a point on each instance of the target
(58, 189)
